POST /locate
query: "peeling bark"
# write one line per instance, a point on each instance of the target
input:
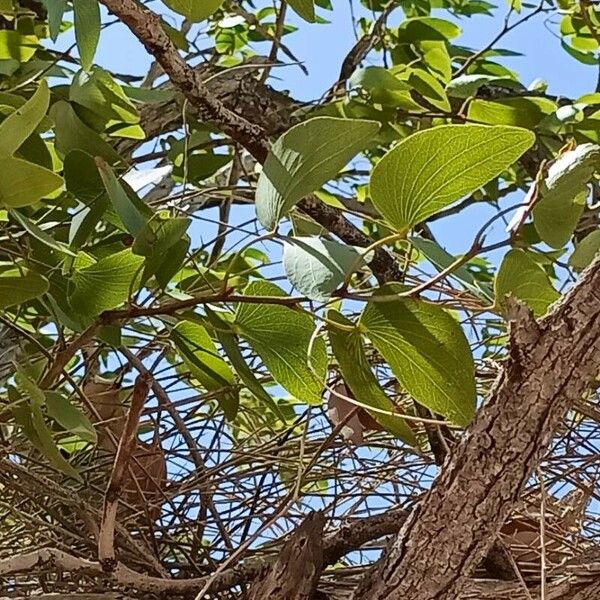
(551, 365)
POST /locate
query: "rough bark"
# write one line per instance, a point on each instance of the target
(296, 572)
(551, 365)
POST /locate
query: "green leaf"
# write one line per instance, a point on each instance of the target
(304, 8)
(31, 418)
(431, 169)
(303, 159)
(132, 218)
(16, 290)
(521, 277)
(19, 125)
(201, 357)
(100, 94)
(40, 235)
(70, 417)
(159, 234)
(519, 112)
(194, 10)
(348, 349)
(555, 217)
(231, 347)
(106, 284)
(17, 47)
(23, 183)
(56, 10)
(427, 351)
(47, 446)
(172, 262)
(72, 134)
(281, 337)
(87, 30)
(28, 386)
(82, 178)
(428, 28)
(384, 88)
(585, 251)
(563, 194)
(315, 267)
(430, 88)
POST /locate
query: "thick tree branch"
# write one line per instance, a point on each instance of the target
(350, 536)
(550, 366)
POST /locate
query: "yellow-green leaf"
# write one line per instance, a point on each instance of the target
(105, 284)
(281, 336)
(521, 277)
(348, 349)
(427, 351)
(431, 169)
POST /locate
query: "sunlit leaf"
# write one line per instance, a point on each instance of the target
(231, 347)
(106, 284)
(206, 365)
(281, 337)
(521, 277)
(433, 168)
(348, 349)
(427, 351)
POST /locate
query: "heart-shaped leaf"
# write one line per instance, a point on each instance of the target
(105, 284)
(281, 337)
(431, 169)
